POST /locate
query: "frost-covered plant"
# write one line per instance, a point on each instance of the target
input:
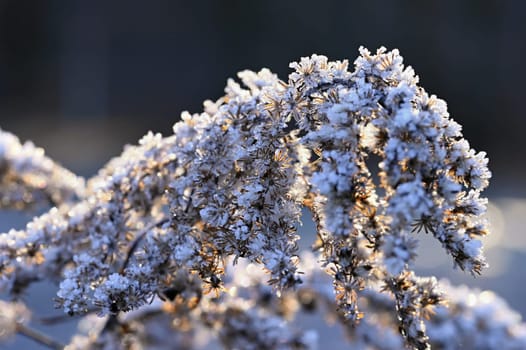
(146, 242)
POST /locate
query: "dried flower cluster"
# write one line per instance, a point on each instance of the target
(148, 239)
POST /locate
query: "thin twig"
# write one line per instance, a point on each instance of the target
(50, 320)
(38, 337)
(138, 239)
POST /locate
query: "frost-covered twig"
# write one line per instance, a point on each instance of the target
(14, 319)
(39, 337)
(28, 178)
(161, 219)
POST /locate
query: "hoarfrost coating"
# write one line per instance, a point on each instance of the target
(162, 219)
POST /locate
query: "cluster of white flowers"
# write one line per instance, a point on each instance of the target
(162, 219)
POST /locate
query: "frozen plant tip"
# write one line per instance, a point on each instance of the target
(160, 224)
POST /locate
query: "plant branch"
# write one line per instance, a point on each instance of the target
(51, 320)
(38, 337)
(138, 239)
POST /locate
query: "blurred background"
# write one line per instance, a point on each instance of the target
(82, 78)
